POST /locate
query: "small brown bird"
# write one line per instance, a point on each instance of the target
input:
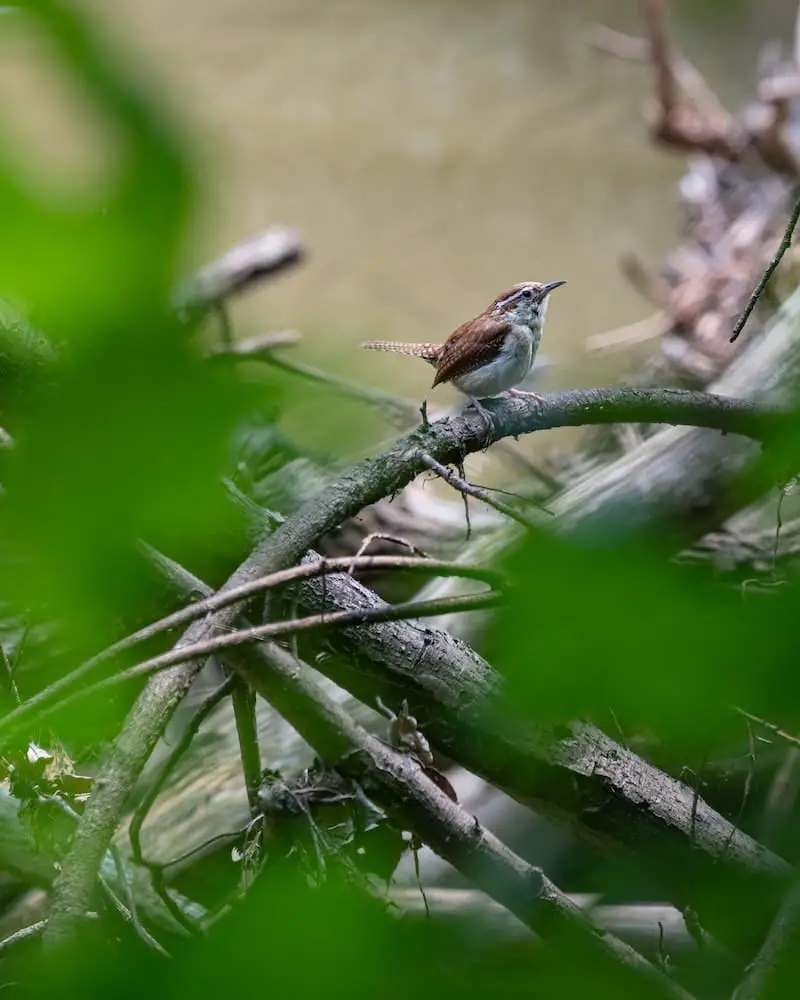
(491, 353)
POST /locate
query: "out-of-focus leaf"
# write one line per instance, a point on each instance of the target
(593, 627)
(128, 433)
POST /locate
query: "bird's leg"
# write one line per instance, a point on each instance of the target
(487, 418)
(525, 393)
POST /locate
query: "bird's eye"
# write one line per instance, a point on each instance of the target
(527, 294)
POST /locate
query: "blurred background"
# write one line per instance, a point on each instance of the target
(431, 152)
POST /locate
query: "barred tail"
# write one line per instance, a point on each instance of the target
(428, 352)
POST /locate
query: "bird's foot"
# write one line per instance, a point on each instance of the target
(526, 393)
(488, 421)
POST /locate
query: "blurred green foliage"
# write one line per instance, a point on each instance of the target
(126, 433)
(599, 630)
(122, 432)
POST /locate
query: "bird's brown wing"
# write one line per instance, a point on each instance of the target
(469, 347)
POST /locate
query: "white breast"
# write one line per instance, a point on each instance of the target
(507, 370)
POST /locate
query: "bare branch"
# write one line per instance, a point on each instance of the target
(402, 410)
(784, 245)
(240, 267)
(770, 726)
(21, 935)
(467, 489)
(640, 50)
(627, 801)
(255, 348)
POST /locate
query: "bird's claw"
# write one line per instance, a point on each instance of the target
(524, 393)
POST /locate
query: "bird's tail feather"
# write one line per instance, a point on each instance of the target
(428, 352)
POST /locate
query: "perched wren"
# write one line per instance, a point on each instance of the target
(491, 353)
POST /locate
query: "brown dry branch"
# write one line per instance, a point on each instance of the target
(735, 204)
(379, 536)
(688, 78)
(677, 123)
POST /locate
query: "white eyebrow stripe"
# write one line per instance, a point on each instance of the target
(510, 298)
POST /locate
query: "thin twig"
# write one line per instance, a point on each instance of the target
(420, 886)
(253, 348)
(748, 782)
(784, 245)
(130, 918)
(661, 56)
(380, 536)
(8, 686)
(638, 332)
(769, 726)
(479, 492)
(32, 930)
(464, 497)
(637, 49)
(128, 909)
(405, 410)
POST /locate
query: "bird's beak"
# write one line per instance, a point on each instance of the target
(551, 286)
